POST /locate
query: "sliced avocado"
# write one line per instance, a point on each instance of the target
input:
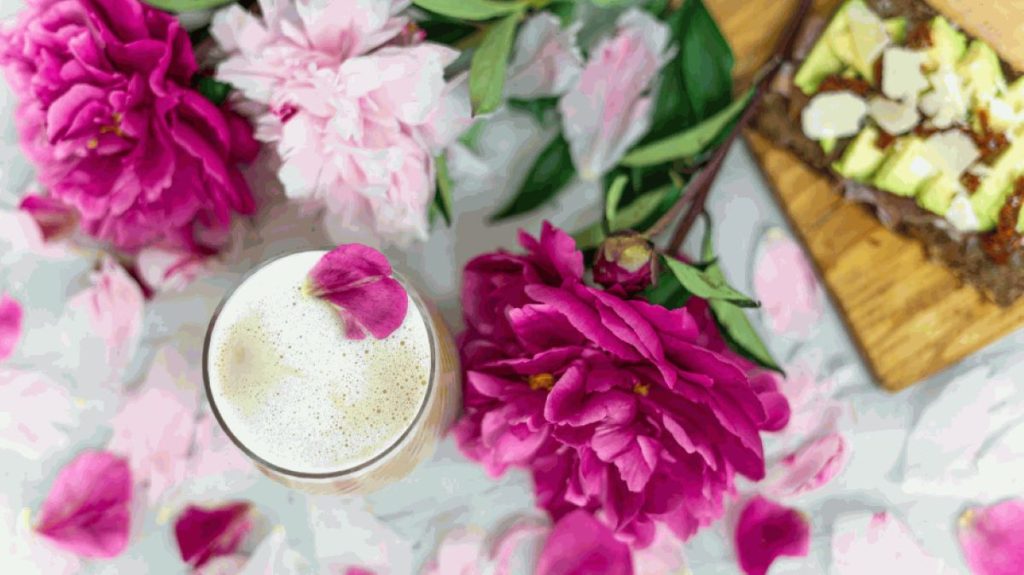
(862, 157)
(981, 71)
(996, 186)
(905, 169)
(937, 194)
(823, 61)
(948, 45)
(897, 28)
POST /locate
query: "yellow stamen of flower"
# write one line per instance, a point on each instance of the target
(92, 144)
(967, 518)
(541, 381)
(641, 388)
(115, 127)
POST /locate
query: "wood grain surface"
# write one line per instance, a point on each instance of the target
(910, 317)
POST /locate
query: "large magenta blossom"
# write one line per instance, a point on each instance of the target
(108, 115)
(626, 409)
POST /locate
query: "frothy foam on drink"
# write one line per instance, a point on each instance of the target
(295, 391)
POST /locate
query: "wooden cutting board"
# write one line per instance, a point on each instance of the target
(910, 317)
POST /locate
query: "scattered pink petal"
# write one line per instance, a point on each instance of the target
(39, 412)
(665, 555)
(114, 304)
(203, 534)
(359, 571)
(170, 270)
(24, 551)
(223, 565)
(274, 556)
(213, 455)
(579, 543)
(813, 412)
(992, 538)
(879, 543)
(785, 283)
(458, 554)
(808, 468)
(513, 547)
(357, 279)
(155, 427)
(88, 510)
(10, 325)
(55, 219)
(767, 531)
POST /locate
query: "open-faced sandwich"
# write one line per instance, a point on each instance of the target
(922, 122)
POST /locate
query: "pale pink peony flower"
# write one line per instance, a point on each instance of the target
(607, 111)
(546, 61)
(357, 114)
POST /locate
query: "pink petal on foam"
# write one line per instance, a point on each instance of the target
(10, 325)
(88, 510)
(785, 282)
(357, 279)
(767, 531)
(992, 538)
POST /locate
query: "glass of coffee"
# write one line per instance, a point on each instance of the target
(313, 409)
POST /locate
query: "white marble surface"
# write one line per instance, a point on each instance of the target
(890, 469)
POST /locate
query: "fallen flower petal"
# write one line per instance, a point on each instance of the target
(767, 531)
(992, 538)
(10, 325)
(879, 543)
(155, 427)
(39, 410)
(810, 467)
(579, 543)
(357, 279)
(55, 219)
(203, 534)
(88, 510)
(169, 270)
(114, 304)
(785, 283)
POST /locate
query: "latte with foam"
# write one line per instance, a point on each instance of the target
(296, 393)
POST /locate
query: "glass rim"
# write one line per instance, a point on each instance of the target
(348, 471)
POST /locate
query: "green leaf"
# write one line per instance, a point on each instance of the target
(538, 108)
(651, 204)
(612, 199)
(490, 61)
(186, 5)
(690, 142)
(213, 90)
(667, 292)
(550, 173)
(442, 30)
(732, 321)
(443, 197)
(470, 137)
(706, 285)
(564, 9)
(475, 10)
(697, 82)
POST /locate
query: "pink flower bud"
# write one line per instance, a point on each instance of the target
(626, 262)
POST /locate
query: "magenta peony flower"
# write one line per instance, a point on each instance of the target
(115, 131)
(626, 409)
(357, 109)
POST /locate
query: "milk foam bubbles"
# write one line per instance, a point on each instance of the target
(299, 395)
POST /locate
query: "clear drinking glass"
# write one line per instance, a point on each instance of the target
(437, 412)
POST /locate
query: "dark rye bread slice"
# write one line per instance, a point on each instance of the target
(779, 120)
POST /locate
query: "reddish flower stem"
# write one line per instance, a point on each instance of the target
(700, 186)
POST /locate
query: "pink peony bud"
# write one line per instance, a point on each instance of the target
(626, 262)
